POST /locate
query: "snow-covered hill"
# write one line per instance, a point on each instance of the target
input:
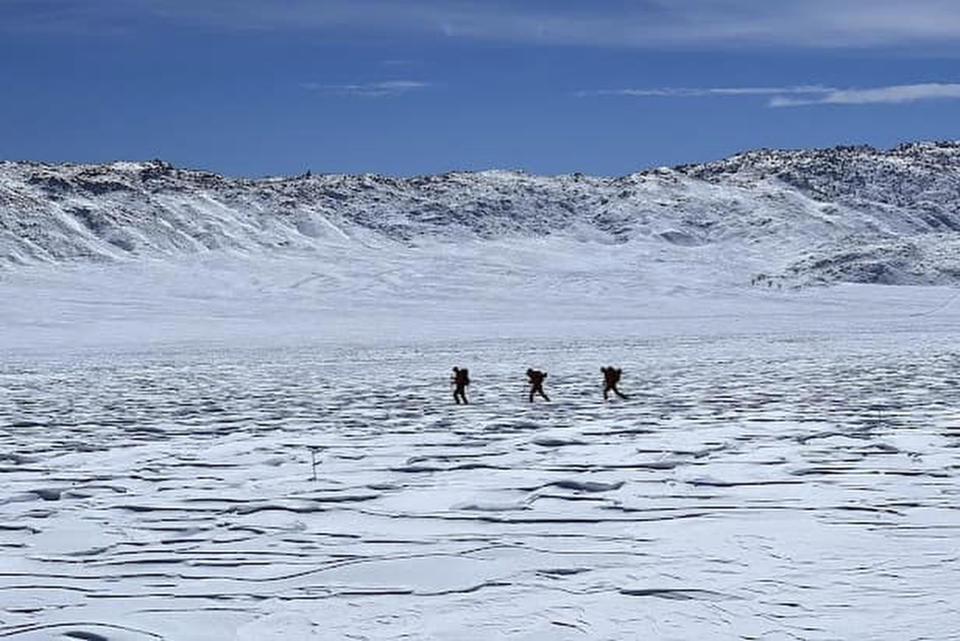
(849, 213)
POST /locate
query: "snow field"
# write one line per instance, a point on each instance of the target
(755, 486)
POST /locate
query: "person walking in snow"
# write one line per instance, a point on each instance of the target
(611, 376)
(460, 380)
(536, 383)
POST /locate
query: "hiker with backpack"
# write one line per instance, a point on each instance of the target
(460, 380)
(536, 383)
(611, 376)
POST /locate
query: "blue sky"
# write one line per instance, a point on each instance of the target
(265, 87)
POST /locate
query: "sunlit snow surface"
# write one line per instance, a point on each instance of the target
(786, 466)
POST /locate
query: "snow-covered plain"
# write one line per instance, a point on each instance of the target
(786, 466)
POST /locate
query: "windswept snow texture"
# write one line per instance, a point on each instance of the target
(783, 487)
(803, 210)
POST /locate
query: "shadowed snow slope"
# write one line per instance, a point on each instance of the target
(797, 213)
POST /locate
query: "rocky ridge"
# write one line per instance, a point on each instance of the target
(854, 214)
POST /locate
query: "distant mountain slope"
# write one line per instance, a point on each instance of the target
(848, 213)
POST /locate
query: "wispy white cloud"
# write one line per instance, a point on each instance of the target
(626, 23)
(701, 92)
(801, 95)
(736, 24)
(369, 89)
(878, 95)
